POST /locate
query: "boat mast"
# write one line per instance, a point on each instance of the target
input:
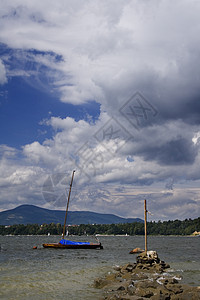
(68, 204)
(145, 224)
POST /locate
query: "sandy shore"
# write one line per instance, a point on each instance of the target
(147, 278)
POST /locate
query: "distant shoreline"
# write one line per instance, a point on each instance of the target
(166, 228)
(101, 235)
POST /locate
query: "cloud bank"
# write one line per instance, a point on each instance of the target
(140, 61)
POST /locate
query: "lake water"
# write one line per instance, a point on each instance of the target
(69, 274)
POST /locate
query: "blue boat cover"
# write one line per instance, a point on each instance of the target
(67, 242)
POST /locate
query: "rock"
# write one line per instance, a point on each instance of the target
(131, 289)
(136, 250)
(164, 292)
(141, 281)
(152, 255)
(147, 284)
(127, 276)
(139, 266)
(191, 293)
(121, 288)
(119, 277)
(160, 297)
(117, 268)
(167, 266)
(175, 288)
(130, 267)
(134, 277)
(142, 276)
(172, 280)
(165, 281)
(147, 293)
(123, 269)
(111, 277)
(158, 268)
(113, 297)
(100, 283)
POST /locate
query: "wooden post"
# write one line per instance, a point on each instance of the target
(63, 235)
(145, 224)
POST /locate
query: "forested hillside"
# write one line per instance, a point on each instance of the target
(176, 227)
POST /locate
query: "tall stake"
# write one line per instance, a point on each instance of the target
(145, 224)
(68, 204)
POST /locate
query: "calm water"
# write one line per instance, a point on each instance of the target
(69, 274)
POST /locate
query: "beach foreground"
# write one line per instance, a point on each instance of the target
(147, 278)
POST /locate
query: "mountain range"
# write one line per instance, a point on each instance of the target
(31, 214)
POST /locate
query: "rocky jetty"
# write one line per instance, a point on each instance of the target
(147, 278)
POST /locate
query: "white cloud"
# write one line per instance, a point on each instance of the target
(196, 137)
(110, 47)
(3, 78)
(118, 187)
(107, 51)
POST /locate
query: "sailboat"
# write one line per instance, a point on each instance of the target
(67, 244)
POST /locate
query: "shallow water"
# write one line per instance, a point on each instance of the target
(52, 273)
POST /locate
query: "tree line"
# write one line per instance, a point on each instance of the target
(176, 227)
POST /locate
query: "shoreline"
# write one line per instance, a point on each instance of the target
(105, 235)
(147, 278)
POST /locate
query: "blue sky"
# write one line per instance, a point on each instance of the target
(27, 106)
(28, 101)
(109, 89)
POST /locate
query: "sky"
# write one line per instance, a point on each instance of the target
(110, 89)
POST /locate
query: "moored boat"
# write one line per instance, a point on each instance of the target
(67, 244)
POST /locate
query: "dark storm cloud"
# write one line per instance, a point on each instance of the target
(174, 152)
(185, 109)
